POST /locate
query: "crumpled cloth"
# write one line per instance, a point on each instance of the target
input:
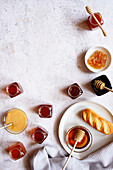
(49, 158)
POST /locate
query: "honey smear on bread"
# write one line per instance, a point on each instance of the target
(96, 121)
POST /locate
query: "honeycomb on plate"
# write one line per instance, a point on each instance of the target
(97, 60)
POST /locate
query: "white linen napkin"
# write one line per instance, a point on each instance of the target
(49, 158)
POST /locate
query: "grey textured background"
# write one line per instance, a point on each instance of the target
(42, 46)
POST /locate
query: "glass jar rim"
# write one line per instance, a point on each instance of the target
(44, 134)
(48, 107)
(7, 89)
(21, 153)
(74, 86)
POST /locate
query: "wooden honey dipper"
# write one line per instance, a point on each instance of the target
(78, 137)
(90, 11)
(100, 85)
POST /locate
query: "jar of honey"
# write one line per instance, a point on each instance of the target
(92, 23)
(39, 134)
(17, 151)
(84, 144)
(45, 111)
(74, 91)
(14, 89)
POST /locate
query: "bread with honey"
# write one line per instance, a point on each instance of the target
(96, 121)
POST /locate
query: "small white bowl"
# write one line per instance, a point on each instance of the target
(105, 51)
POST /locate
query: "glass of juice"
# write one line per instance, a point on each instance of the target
(39, 134)
(17, 151)
(18, 119)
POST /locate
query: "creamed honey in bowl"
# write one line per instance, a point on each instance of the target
(18, 119)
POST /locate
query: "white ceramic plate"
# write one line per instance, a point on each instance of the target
(105, 51)
(72, 117)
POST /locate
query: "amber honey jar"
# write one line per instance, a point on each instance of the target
(39, 134)
(14, 89)
(17, 151)
(45, 111)
(92, 23)
(74, 91)
(84, 144)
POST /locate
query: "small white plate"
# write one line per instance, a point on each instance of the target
(72, 117)
(105, 51)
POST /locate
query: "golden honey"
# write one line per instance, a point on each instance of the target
(18, 119)
(97, 60)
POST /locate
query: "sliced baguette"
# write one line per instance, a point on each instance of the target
(96, 121)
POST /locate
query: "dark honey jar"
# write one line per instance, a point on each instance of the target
(14, 89)
(17, 151)
(39, 134)
(74, 91)
(45, 111)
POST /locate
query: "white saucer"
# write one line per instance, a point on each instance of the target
(105, 51)
(72, 117)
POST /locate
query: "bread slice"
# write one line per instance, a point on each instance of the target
(96, 121)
